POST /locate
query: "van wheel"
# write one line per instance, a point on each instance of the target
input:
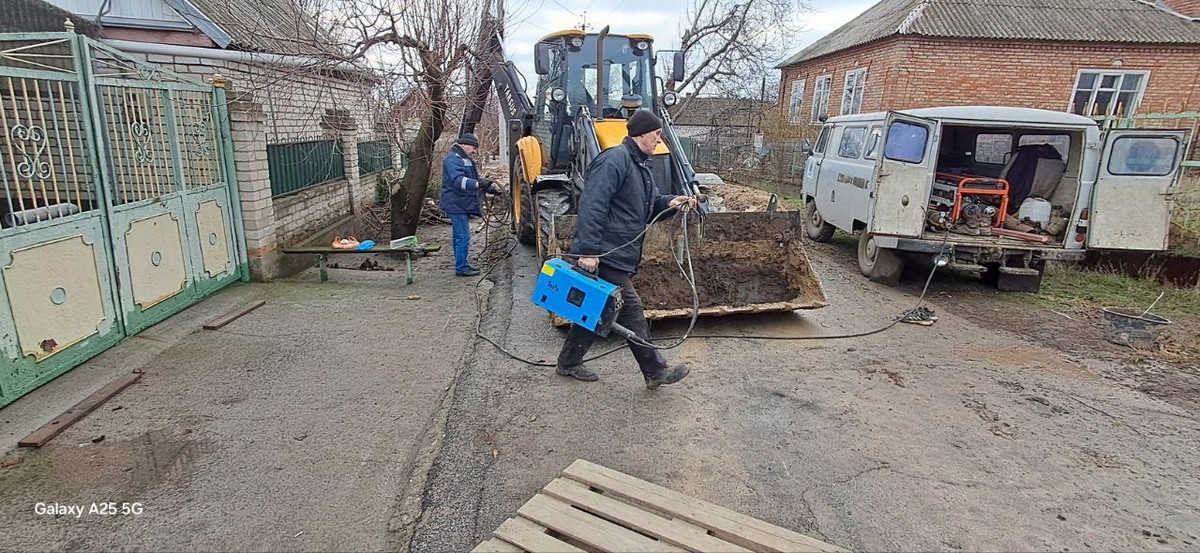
(815, 226)
(877, 263)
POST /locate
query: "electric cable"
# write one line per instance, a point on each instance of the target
(689, 276)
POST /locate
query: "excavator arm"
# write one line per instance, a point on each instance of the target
(493, 69)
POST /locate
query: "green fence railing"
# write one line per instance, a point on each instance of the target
(299, 165)
(374, 156)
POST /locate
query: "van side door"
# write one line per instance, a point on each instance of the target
(903, 177)
(1131, 200)
(812, 165)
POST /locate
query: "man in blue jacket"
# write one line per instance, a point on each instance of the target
(461, 185)
(619, 199)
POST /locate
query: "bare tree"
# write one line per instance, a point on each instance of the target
(730, 44)
(427, 42)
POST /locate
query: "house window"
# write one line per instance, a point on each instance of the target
(797, 101)
(852, 93)
(820, 105)
(1105, 93)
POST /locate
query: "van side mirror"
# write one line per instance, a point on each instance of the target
(677, 67)
(806, 147)
(541, 58)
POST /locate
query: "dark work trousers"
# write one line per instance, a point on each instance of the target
(579, 339)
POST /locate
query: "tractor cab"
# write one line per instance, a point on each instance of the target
(609, 76)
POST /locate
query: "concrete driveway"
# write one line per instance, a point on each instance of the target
(306, 425)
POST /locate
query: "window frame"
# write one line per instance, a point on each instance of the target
(796, 102)
(874, 139)
(859, 89)
(1138, 94)
(924, 144)
(1012, 141)
(1172, 167)
(821, 105)
(823, 139)
(862, 147)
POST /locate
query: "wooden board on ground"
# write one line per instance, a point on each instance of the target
(39, 437)
(594, 508)
(230, 317)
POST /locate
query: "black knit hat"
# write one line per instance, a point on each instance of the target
(468, 139)
(642, 121)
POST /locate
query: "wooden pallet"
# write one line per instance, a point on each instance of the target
(593, 508)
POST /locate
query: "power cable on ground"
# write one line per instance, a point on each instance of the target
(500, 213)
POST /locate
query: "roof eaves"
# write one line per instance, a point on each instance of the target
(194, 16)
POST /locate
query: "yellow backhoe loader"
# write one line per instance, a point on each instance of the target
(588, 84)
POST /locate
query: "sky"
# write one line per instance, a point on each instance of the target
(529, 20)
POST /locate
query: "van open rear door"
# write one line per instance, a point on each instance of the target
(1131, 202)
(904, 175)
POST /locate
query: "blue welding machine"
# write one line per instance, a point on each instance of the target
(576, 296)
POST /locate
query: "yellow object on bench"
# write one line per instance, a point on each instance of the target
(596, 508)
(324, 252)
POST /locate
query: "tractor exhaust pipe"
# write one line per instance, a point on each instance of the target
(600, 72)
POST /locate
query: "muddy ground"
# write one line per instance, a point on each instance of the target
(314, 423)
(965, 435)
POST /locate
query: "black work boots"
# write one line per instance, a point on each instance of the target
(667, 375)
(577, 371)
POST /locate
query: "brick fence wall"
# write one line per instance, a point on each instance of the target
(293, 98)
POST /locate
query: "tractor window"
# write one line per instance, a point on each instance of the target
(626, 73)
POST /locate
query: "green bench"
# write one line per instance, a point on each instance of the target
(323, 254)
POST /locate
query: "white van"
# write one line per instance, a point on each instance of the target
(999, 190)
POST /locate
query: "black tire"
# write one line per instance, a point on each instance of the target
(878, 264)
(525, 231)
(815, 226)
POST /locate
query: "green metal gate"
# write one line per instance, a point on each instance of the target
(119, 207)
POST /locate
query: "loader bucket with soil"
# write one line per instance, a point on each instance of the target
(744, 262)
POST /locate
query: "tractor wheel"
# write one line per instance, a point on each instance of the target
(525, 230)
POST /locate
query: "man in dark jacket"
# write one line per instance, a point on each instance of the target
(461, 185)
(619, 199)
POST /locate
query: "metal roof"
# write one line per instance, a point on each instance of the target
(982, 114)
(1119, 21)
(275, 26)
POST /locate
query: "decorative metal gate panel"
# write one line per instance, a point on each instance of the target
(117, 210)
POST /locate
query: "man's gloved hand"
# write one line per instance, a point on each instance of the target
(489, 186)
(683, 203)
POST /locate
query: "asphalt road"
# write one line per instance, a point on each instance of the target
(957, 436)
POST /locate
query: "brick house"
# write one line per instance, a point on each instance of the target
(1093, 57)
(300, 114)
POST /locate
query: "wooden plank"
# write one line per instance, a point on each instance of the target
(589, 530)
(328, 250)
(496, 545)
(233, 316)
(675, 532)
(726, 524)
(39, 437)
(532, 537)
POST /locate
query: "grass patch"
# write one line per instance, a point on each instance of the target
(1067, 287)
